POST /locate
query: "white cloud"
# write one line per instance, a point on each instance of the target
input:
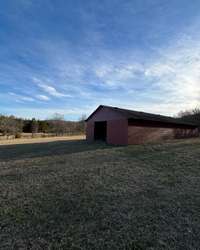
(176, 72)
(49, 89)
(43, 97)
(168, 82)
(118, 74)
(20, 98)
(27, 98)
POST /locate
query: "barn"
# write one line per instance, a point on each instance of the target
(123, 127)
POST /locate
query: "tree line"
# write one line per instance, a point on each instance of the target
(56, 125)
(192, 115)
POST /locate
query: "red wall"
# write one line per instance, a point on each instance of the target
(117, 126)
(143, 134)
(90, 131)
(140, 135)
(117, 132)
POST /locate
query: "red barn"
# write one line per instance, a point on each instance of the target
(122, 127)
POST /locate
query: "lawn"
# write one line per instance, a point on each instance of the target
(74, 195)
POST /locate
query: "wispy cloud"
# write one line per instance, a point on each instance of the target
(43, 97)
(21, 97)
(117, 74)
(52, 91)
(168, 82)
(176, 72)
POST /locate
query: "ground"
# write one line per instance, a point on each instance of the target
(74, 195)
(40, 140)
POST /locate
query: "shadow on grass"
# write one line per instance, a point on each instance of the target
(21, 151)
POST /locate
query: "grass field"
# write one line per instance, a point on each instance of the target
(40, 140)
(72, 195)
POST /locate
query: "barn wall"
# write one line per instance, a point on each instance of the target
(90, 131)
(106, 114)
(117, 126)
(139, 134)
(117, 132)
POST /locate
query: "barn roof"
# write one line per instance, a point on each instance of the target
(137, 115)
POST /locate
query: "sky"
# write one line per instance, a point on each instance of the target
(69, 56)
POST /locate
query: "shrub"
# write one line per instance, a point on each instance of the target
(18, 135)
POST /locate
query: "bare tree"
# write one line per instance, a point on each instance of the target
(34, 126)
(80, 126)
(191, 115)
(57, 117)
(57, 124)
(9, 125)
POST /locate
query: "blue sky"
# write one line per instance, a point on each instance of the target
(70, 56)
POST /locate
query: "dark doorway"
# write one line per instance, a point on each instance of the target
(100, 130)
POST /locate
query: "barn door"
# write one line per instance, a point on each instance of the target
(100, 130)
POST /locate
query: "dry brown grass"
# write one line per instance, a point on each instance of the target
(41, 140)
(74, 195)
